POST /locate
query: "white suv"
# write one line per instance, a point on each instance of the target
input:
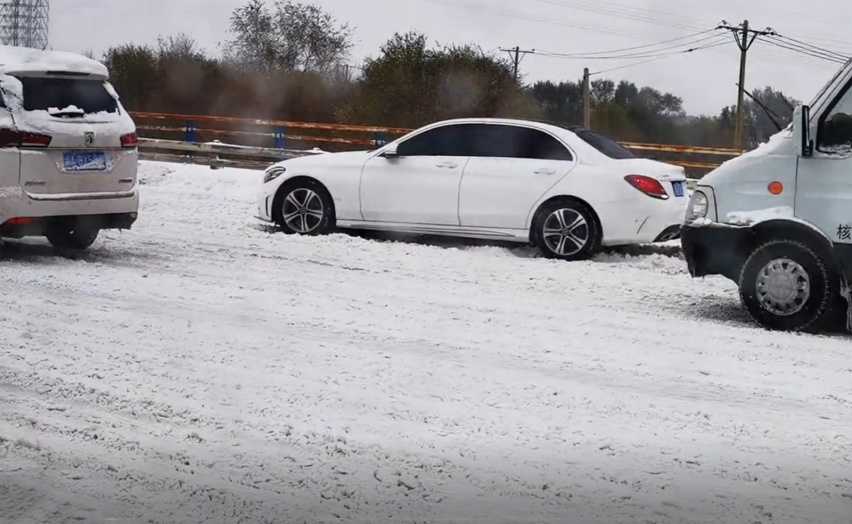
(68, 149)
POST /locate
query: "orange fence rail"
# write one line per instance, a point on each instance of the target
(169, 128)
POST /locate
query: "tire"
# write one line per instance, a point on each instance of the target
(566, 229)
(787, 286)
(305, 208)
(66, 235)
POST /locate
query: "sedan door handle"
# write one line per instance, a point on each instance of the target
(544, 171)
(447, 165)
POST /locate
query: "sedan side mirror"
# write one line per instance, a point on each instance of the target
(390, 152)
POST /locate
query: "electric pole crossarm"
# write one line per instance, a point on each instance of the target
(745, 37)
(516, 54)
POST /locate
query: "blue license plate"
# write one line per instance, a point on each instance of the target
(679, 188)
(85, 161)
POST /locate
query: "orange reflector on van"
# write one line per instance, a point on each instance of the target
(776, 188)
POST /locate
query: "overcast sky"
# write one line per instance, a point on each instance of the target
(705, 80)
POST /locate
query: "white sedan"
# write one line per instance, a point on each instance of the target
(568, 191)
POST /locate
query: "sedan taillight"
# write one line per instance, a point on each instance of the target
(14, 138)
(130, 141)
(650, 186)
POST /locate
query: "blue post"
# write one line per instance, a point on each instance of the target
(191, 132)
(281, 138)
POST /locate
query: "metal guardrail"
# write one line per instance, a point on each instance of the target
(200, 141)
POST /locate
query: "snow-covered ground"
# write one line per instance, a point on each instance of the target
(203, 367)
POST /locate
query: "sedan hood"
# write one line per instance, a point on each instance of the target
(329, 159)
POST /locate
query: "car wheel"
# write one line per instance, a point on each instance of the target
(567, 230)
(306, 208)
(71, 236)
(786, 286)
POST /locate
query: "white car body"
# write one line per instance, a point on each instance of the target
(486, 197)
(63, 163)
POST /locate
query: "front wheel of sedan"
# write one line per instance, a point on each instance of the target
(566, 230)
(306, 208)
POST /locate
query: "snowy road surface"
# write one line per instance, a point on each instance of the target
(204, 368)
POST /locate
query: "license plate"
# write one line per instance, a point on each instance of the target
(85, 161)
(679, 190)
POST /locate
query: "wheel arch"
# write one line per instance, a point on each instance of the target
(799, 231)
(556, 198)
(290, 182)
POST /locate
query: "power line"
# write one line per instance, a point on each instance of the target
(813, 46)
(646, 48)
(661, 57)
(685, 47)
(515, 15)
(804, 51)
(631, 13)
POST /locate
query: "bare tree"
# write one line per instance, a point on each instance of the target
(289, 36)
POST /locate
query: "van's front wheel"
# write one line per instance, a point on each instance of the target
(64, 235)
(786, 286)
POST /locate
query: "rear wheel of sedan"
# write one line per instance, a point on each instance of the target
(787, 286)
(566, 229)
(306, 208)
(67, 235)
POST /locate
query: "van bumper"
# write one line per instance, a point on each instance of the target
(38, 226)
(716, 249)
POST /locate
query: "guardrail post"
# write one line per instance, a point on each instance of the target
(281, 138)
(380, 139)
(191, 133)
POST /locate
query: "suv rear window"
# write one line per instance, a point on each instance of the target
(91, 96)
(605, 145)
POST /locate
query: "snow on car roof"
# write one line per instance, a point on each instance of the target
(21, 60)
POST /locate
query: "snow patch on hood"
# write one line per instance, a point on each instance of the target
(749, 218)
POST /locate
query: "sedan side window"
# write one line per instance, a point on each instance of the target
(500, 141)
(836, 129)
(441, 141)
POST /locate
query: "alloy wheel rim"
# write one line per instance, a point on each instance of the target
(303, 210)
(566, 232)
(783, 287)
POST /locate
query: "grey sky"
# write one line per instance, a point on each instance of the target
(705, 80)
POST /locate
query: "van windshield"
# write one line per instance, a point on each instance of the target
(67, 96)
(821, 97)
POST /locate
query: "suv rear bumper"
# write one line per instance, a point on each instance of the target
(716, 249)
(37, 226)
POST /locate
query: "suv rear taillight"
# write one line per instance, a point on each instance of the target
(13, 138)
(130, 140)
(650, 186)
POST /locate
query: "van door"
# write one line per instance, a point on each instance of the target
(824, 181)
(84, 124)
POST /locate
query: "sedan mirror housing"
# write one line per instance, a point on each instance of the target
(390, 152)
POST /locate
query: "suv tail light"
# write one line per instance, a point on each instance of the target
(130, 140)
(650, 186)
(13, 138)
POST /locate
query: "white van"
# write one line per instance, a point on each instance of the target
(778, 220)
(68, 149)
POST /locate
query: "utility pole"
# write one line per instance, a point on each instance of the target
(587, 99)
(745, 38)
(516, 54)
